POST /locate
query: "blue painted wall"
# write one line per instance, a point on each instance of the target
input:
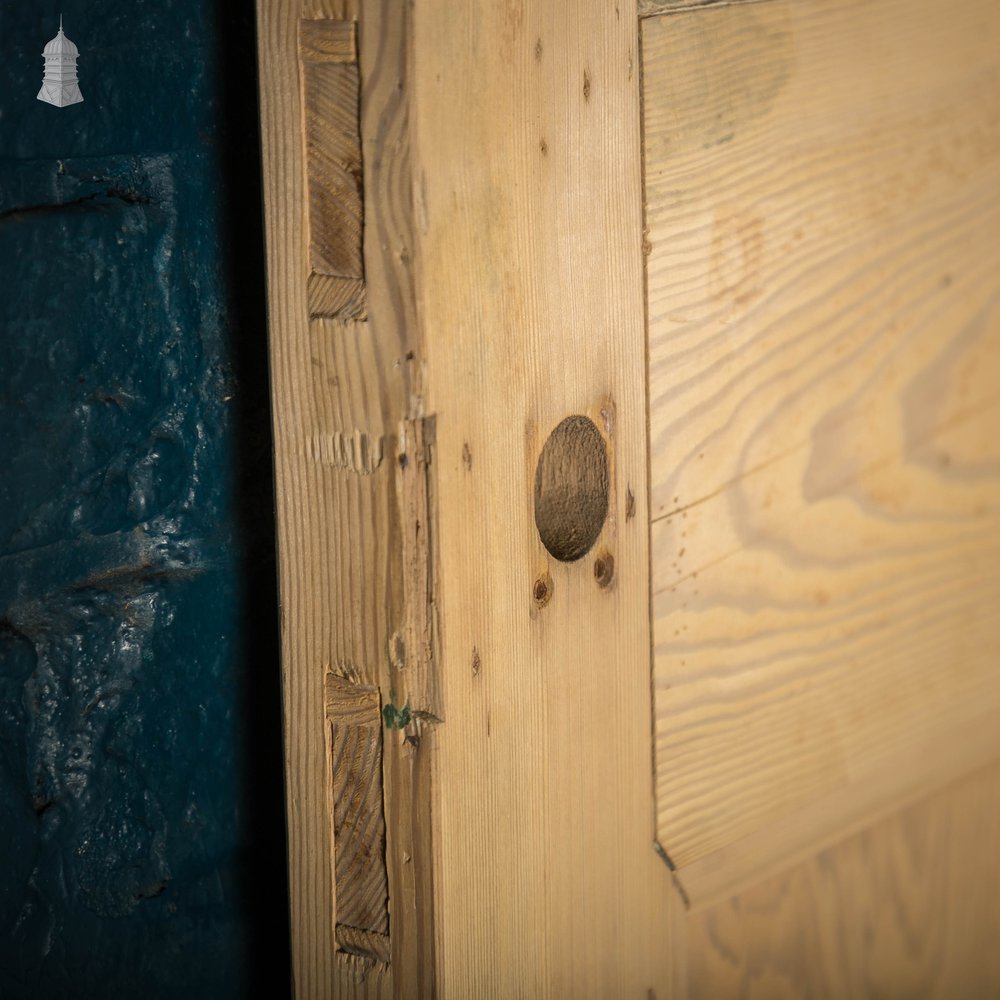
(141, 808)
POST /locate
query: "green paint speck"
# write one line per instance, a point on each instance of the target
(396, 718)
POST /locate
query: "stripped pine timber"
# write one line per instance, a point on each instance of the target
(519, 848)
(408, 654)
(311, 551)
(822, 215)
(354, 583)
(908, 908)
(528, 204)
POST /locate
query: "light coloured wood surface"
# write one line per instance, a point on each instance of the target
(823, 219)
(907, 909)
(308, 563)
(343, 396)
(514, 689)
(529, 215)
(406, 590)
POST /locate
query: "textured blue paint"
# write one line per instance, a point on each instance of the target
(141, 824)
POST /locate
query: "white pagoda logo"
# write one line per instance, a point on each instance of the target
(59, 86)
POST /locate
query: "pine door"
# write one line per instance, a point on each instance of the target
(634, 380)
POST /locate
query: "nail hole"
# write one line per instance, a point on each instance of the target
(604, 569)
(571, 489)
(542, 590)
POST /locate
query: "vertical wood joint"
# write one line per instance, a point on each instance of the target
(412, 648)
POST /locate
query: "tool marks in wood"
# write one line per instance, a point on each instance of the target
(332, 135)
(355, 526)
(354, 720)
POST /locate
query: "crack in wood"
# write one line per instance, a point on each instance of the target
(654, 8)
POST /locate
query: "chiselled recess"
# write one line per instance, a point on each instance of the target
(571, 488)
(331, 128)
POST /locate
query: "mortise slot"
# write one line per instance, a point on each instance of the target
(354, 725)
(332, 140)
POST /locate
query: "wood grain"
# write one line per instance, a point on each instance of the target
(909, 908)
(342, 392)
(332, 135)
(528, 211)
(822, 226)
(328, 40)
(412, 649)
(335, 295)
(354, 719)
(333, 164)
(652, 8)
(308, 495)
(409, 665)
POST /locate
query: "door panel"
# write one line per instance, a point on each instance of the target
(824, 322)
(907, 908)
